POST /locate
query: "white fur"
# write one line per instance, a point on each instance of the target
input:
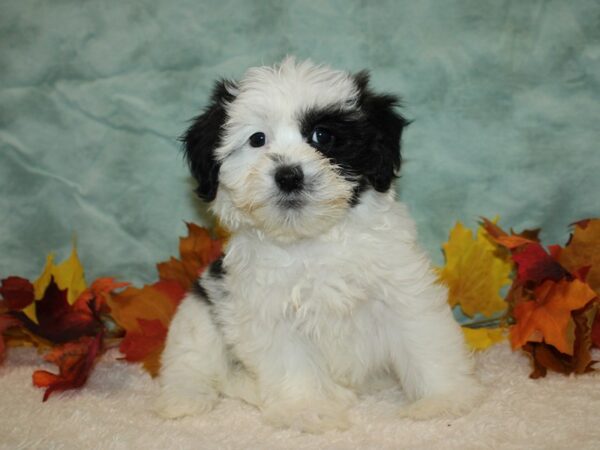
(316, 302)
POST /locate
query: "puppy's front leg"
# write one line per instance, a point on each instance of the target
(296, 389)
(194, 362)
(430, 357)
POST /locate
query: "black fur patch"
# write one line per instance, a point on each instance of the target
(201, 293)
(203, 137)
(216, 269)
(366, 144)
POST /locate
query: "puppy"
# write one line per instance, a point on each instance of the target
(322, 287)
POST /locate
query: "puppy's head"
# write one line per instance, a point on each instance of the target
(290, 149)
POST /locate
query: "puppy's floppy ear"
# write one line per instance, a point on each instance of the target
(387, 126)
(204, 136)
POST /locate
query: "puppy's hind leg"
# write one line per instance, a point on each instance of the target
(194, 361)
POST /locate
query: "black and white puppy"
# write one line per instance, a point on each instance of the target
(322, 287)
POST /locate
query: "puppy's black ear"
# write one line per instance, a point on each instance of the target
(204, 136)
(387, 126)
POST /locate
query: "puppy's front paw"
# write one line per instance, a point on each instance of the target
(311, 417)
(453, 404)
(170, 406)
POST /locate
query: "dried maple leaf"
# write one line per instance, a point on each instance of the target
(197, 250)
(68, 275)
(149, 303)
(57, 321)
(545, 357)
(139, 312)
(99, 292)
(583, 251)
(584, 319)
(75, 361)
(513, 240)
(548, 317)
(474, 272)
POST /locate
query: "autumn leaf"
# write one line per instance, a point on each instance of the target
(584, 320)
(546, 357)
(583, 250)
(17, 292)
(548, 317)
(157, 301)
(536, 265)
(533, 262)
(68, 276)
(145, 314)
(512, 240)
(145, 345)
(75, 361)
(482, 338)
(57, 321)
(100, 292)
(197, 250)
(474, 272)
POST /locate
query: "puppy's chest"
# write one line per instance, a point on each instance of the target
(305, 288)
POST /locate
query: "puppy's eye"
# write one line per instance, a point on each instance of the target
(257, 139)
(321, 136)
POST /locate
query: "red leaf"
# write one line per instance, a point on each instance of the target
(535, 265)
(58, 321)
(139, 312)
(137, 346)
(74, 360)
(172, 289)
(18, 292)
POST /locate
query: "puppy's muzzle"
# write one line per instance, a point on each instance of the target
(289, 178)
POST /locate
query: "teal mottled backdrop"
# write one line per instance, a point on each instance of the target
(93, 95)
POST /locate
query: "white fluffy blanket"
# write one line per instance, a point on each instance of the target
(111, 412)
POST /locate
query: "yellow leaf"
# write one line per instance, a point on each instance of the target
(67, 275)
(482, 338)
(474, 272)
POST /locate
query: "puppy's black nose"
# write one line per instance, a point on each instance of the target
(289, 178)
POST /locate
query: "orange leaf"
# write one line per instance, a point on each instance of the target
(100, 292)
(548, 317)
(546, 357)
(74, 360)
(197, 250)
(145, 314)
(512, 242)
(152, 302)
